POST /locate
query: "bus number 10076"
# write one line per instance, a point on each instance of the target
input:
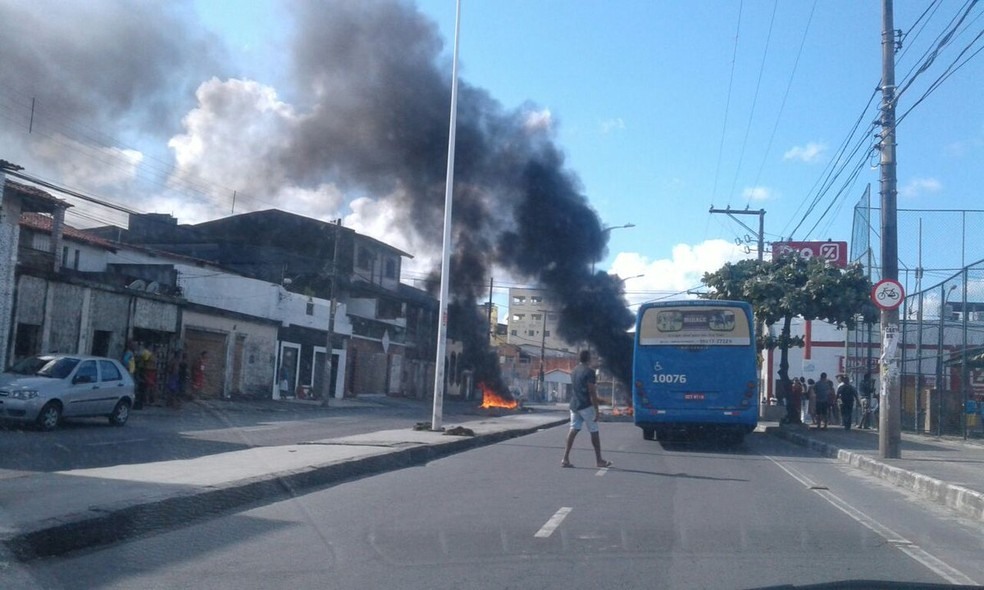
(669, 378)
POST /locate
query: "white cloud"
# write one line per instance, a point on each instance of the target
(758, 193)
(232, 139)
(541, 120)
(918, 187)
(677, 274)
(809, 153)
(611, 125)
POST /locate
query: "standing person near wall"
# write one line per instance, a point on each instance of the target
(198, 374)
(183, 376)
(825, 392)
(130, 358)
(172, 382)
(811, 395)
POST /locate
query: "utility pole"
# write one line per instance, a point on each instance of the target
(491, 324)
(890, 415)
(761, 230)
(326, 395)
(543, 350)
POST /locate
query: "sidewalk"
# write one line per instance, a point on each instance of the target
(946, 470)
(43, 514)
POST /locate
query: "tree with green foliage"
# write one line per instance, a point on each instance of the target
(791, 286)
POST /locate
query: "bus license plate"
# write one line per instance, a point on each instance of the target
(693, 396)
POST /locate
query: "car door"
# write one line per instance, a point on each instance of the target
(112, 385)
(82, 391)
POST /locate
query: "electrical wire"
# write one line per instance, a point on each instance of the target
(727, 106)
(751, 111)
(785, 95)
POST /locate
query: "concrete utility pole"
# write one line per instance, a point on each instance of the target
(761, 231)
(890, 415)
(326, 395)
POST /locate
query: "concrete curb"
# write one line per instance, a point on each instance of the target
(964, 500)
(106, 525)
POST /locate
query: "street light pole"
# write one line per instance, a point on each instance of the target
(442, 326)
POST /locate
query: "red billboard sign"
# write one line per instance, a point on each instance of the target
(833, 252)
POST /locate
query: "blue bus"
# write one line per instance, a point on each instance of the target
(695, 368)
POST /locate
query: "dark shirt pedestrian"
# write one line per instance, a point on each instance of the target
(847, 395)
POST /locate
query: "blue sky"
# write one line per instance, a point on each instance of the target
(662, 108)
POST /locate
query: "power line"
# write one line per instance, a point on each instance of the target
(727, 104)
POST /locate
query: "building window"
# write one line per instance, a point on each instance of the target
(100, 342)
(310, 307)
(76, 265)
(513, 333)
(546, 334)
(390, 268)
(364, 259)
(28, 340)
(536, 299)
(537, 316)
(518, 317)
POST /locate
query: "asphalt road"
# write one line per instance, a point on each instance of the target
(682, 515)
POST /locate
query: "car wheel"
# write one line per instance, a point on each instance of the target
(120, 413)
(50, 416)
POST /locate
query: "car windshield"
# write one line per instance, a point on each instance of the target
(58, 368)
(30, 365)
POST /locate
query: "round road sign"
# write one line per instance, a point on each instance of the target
(887, 294)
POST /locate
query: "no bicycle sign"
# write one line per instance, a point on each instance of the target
(887, 294)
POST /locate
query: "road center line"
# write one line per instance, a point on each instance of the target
(928, 560)
(551, 525)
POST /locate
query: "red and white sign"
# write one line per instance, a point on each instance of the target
(887, 294)
(833, 252)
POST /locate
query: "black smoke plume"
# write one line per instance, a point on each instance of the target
(381, 121)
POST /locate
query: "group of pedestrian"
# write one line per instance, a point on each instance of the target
(141, 361)
(828, 403)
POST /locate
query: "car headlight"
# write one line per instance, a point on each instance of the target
(24, 394)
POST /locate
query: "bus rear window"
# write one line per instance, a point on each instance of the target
(694, 326)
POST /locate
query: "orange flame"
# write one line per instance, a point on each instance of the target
(491, 399)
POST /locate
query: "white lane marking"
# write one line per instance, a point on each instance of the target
(116, 442)
(551, 525)
(930, 561)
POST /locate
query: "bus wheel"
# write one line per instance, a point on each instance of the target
(648, 433)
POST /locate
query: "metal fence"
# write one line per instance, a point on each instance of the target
(942, 365)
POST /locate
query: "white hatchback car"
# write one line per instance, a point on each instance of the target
(44, 389)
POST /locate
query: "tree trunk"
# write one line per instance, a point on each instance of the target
(785, 386)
